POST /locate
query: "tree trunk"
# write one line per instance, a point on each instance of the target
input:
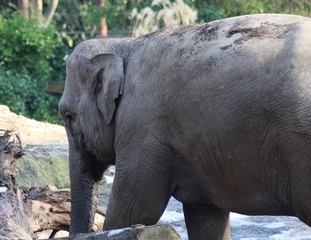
(50, 12)
(103, 28)
(36, 8)
(37, 11)
(23, 5)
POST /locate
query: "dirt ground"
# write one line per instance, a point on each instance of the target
(31, 131)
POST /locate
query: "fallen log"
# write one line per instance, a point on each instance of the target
(34, 214)
(51, 210)
(14, 212)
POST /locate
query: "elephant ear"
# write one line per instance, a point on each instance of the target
(109, 82)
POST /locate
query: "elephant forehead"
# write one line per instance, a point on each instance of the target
(79, 68)
(91, 48)
(76, 59)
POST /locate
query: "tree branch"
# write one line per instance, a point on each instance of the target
(50, 12)
(36, 8)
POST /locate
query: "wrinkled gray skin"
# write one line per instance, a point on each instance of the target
(217, 115)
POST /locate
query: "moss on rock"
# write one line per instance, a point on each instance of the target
(43, 165)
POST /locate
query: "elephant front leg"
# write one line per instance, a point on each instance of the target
(140, 193)
(135, 202)
(206, 222)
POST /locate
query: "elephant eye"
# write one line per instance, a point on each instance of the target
(68, 118)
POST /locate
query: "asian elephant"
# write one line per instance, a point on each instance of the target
(217, 115)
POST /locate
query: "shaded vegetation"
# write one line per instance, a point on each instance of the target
(30, 57)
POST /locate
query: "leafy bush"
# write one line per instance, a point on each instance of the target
(23, 94)
(30, 57)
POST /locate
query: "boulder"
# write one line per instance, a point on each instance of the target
(44, 234)
(61, 234)
(42, 165)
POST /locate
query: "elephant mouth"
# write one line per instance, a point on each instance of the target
(90, 164)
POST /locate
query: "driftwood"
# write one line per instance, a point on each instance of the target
(37, 213)
(51, 211)
(14, 212)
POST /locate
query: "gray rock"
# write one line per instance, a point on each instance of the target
(42, 165)
(140, 232)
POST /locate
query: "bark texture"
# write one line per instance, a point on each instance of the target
(37, 11)
(14, 212)
(29, 215)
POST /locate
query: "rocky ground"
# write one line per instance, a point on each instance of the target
(47, 154)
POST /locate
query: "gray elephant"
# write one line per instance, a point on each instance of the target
(217, 115)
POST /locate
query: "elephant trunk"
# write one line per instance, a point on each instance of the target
(84, 191)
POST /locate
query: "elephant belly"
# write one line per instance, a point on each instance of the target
(239, 175)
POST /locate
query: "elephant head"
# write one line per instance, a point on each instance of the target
(95, 75)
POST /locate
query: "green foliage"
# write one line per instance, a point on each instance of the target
(23, 94)
(70, 20)
(230, 8)
(79, 18)
(209, 13)
(94, 14)
(76, 20)
(30, 57)
(116, 13)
